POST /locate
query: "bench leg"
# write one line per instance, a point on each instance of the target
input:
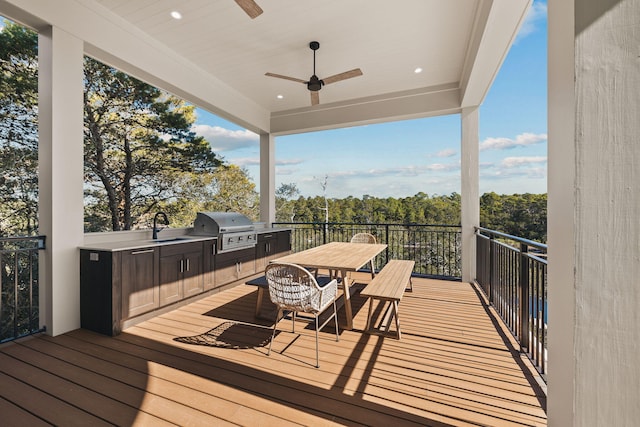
(395, 313)
(368, 327)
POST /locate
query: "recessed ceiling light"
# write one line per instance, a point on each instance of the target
(279, 96)
(176, 15)
(417, 70)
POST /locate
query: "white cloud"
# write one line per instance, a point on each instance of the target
(404, 171)
(521, 140)
(222, 139)
(244, 161)
(536, 15)
(255, 161)
(513, 162)
(449, 152)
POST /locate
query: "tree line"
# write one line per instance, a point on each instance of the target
(140, 156)
(522, 215)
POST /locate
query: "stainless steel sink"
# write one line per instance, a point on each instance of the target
(169, 239)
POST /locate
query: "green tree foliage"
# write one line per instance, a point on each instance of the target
(140, 153)
(233, 191)
(285, 207)
(18, 131)
(522, 215)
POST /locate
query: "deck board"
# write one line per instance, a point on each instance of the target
(205, 364)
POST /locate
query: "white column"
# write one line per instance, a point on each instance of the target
(561, 205)
(267, 178)
(594, 200)
(60, 177)
(470, 209)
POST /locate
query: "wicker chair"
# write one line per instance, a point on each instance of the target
(363, 238)
(294, 288)
(366, 238)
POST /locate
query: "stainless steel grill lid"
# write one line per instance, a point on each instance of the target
(216, 223)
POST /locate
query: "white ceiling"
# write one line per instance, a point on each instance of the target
(216, 56)
(386, 39)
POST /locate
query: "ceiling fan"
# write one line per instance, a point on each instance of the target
(250, 7)
(314, 84)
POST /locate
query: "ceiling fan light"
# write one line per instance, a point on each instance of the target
(314, 84)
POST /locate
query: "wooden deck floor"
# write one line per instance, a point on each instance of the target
(206, 364)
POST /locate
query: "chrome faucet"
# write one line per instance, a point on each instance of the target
(156, 230)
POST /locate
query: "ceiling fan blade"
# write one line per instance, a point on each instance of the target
(315, 97)
(280, 76)
(250, 7)
(343, 76)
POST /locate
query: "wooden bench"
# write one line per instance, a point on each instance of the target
(389, 285)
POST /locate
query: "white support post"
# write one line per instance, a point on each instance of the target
(60, 177)
(267, 178)
(593, 205)
(470, 209)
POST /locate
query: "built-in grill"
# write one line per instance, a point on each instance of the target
(233, 230)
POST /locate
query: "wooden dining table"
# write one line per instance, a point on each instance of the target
(339, 257)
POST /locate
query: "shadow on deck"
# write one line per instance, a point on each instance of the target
(206, 364)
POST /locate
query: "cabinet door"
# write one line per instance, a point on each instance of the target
(226, 268)
(264, 250)
(209, 265)
(139, 281)
(192, 283)
(247, 264)
(282, 244)
(171, 268)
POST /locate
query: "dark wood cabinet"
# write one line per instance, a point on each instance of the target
(139, 281)
(100, 305)
(271, 246)
(180, 272)
(209, 264)
(118, 285)
(235, 265)
(115, 286)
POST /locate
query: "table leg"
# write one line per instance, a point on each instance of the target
(347, 300)
(259, 301)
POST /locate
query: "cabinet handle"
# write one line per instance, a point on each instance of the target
(267, 236)
(143, 251)
(181, 266)
(187, 264)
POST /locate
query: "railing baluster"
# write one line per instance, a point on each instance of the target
(525, 302)
(18, 286)
(516, 286)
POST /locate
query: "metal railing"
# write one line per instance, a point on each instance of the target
(19, 286)
(512, 272)
(435, 248)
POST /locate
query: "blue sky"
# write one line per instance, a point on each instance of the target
(403, 158)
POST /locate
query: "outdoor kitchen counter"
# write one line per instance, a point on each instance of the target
(271, 230)
(136, 244)
(125, 245)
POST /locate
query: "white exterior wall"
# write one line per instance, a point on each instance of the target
(60, 177)
(594, 205)
(267, 178)
(470, 192)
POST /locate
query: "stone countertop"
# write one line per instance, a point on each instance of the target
(140, 244)
(125, 245)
